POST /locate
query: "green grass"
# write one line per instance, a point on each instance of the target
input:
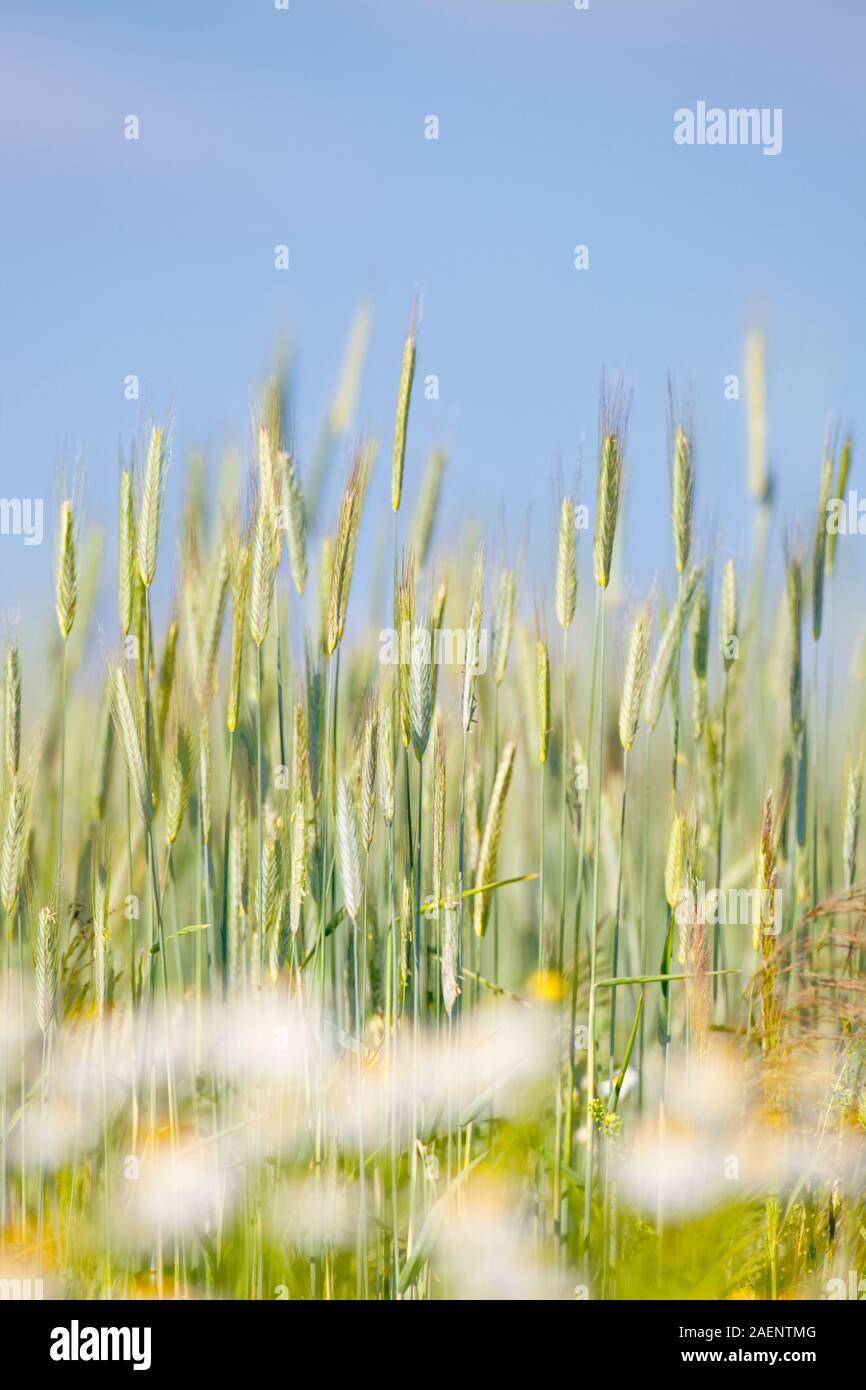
(251, 1077)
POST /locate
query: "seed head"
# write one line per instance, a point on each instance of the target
(150, 511)
(348, 852)
(634, 682)
(566, 573)
(130, 741)
(683, 490)
(12, 709)
(728, 616)
(125, 552)
(66, 582)
(503, 623)
(819, 554)
(46, 969)
(492, 834)
(404, 392)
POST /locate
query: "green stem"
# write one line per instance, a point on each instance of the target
(590, 1066)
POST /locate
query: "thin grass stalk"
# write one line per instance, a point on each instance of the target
(593, 945)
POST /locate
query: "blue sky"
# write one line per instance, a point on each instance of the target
(260, 127)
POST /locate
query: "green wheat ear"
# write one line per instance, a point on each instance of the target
(839, 492)
(348, 851)
(728, 616)
(419, 690)
(66, 588)
(295, 522)
(489, 850)
(45, 990)
(126, 552)
(683, 492)
(503, 623)
(150, 510)
(700, 653)
(566, 573)
(263, 571)
(675, 864)
(634, 682)
(386, 759)
(130, 741)
(404, 392)
(240, 590)
(14, 839)
(819, 554)
(12, 710)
